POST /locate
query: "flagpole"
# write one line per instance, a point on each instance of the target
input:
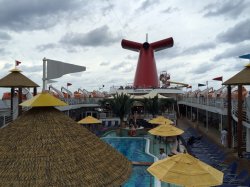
(197, 109)
(207, 110)
(221, 115)
(68, 98)
(44, 74)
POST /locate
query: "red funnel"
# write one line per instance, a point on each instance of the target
(146, 72)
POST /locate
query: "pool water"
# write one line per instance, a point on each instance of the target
(134, 150)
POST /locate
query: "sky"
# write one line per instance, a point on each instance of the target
(208, 38)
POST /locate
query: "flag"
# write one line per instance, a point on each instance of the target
(201, 85)
(247, 56)
(51, 81)
(218, 78)
(17, 62)
(56, 69)
(69, 84)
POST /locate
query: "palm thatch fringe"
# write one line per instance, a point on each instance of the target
(44, 147)
(17, 79)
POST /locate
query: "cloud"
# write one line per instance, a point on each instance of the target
(170, 10)
(119, 66)
(4, 36)
(116, 81)
(44, 47)
(233, 52)
(2, 51)
(104, 63)
(199, 48)
(235, 67)
(98, 37)
(33, 69)
(229, 8)
(239, 33)
(32, 15)
(105, 10)
(131, 57)
(128, 69)
(169, 53)
(7, 66)
(147, 4)
(124, 67)
(203, 68)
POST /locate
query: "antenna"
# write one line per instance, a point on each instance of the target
(146, 37)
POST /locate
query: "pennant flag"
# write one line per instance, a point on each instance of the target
(69, 84)
(56, 69)
(51, 81)
(218, 78)
(201, 85)
(247, 56)
(17, 62)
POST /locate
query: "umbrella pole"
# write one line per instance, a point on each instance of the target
(166, 146)
(153, 145)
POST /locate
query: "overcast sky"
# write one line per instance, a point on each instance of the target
(208, 38)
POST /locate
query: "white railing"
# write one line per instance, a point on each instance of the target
(214, 102)
(245, 109)
(222, 103)
(6, 117)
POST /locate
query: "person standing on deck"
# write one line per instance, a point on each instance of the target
(162, 154)
(224, 137)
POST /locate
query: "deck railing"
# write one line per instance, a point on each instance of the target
(222, 103)
(7, 116)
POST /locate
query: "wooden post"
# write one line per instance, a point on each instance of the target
(229, 117)
(20, 100)
(11, 102)
(239, 125)
(34, 91)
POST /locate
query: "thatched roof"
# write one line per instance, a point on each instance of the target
(242, 78)
(16, 79)
(44, 147)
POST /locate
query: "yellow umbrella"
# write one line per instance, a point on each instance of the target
(183, 169)
(43, 99)
(166, 130)
(89, 120)
(161, 120)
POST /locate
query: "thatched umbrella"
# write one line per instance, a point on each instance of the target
(241, 78)
(44, 147)
(16, 79)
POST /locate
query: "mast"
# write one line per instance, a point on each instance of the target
(44, 74)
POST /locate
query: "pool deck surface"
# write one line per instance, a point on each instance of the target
(214, 136)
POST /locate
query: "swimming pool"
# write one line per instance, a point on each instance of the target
(134, 150)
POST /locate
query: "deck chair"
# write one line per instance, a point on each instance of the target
(246, 182)
(230, 170)
(237, 179)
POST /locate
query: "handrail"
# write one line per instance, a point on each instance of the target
(221, 103)
(60, 94)
(68, 91)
